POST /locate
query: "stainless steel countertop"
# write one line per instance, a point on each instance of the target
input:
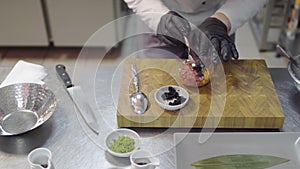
(289, 97)
(74, 146)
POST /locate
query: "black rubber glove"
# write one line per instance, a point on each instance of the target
(172, 28)
(216, 32)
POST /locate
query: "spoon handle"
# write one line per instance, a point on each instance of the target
(285, 53)
(135, 77)
(196, 60)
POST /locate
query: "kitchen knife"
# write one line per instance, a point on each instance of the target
(78, 98)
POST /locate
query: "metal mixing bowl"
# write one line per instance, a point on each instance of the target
(24, 106)
(295, 73)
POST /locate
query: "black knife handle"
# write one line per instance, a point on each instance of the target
(62, 73)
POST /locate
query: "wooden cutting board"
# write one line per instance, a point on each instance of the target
(250, 100)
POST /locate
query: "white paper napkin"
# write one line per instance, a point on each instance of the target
(25, 72)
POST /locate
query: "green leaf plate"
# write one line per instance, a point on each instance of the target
(237, 150)
(239, 161)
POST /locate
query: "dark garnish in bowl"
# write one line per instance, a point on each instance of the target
(177, 101)
(173, 97)
(44, 165)
(198, 69)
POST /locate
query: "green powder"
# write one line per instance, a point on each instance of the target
(122, 144)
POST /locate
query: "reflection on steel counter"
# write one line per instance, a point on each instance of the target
(289, 97)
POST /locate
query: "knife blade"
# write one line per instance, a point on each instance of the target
(78, 98)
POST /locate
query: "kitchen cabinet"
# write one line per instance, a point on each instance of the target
(291, 41)
(22, 23)
(73, 22)
(269, 23)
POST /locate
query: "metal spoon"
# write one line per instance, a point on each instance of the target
(284, 53)
(197, 63)
(138, 100)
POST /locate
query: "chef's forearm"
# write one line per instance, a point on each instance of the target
(224, 19)
(150, 11)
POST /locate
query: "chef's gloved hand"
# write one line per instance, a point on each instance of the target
(216, 32)
(172, 28)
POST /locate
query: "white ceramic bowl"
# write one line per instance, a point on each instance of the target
(165, 103)
(115, 134)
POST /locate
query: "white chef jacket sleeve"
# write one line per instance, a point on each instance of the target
(150, 11)
(240, 11)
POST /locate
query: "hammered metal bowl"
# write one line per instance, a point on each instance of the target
(295, 73)
(24, 106)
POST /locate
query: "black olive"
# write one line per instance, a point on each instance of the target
(173, 94)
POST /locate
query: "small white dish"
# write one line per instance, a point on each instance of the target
(115, 134)
(158, 96)
(143, 159)
(40, 158)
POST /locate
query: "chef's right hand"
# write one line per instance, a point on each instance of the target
(172, 28)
